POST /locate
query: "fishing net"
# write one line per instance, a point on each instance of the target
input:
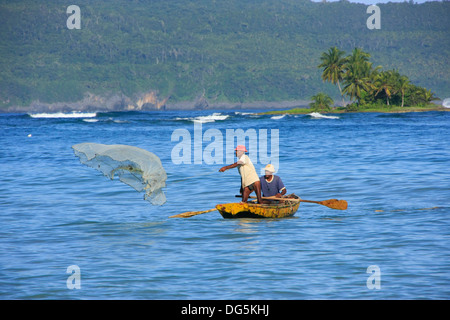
(136, 167)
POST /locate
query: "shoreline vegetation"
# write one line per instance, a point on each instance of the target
(340, 110)
(101, 104)
(282, 107)
(192, 55)
(366, 86)
(370, 89)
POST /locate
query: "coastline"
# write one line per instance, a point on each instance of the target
(369, 110)
(122, 104)
(92, 103)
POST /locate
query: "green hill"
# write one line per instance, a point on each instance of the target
(219, 50)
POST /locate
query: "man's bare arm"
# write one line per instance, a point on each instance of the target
(231, 166)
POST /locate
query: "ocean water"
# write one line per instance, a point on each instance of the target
(393, 169)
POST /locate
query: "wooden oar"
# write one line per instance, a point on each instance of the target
(191, 213)
(331, 203)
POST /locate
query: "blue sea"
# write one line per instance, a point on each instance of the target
(68, 232)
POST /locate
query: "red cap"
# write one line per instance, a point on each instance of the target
(240, 148)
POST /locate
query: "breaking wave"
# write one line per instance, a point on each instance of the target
(446, 103)
(57, 115)
(204, 119)
(244, 113)
(317, 115)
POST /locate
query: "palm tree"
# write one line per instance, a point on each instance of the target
(360, 62)
(387, 82)
(357, 75)
(416, 95)
(333, 67)
(403, 83)
(321, 102)
(427, 95)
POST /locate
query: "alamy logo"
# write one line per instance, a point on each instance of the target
(374, 280)
(74, 280)
(220, 147)
(374, 21)
(74, 20)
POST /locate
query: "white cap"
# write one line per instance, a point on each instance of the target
(270, 168)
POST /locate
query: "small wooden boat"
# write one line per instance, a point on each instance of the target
(277, 208)
(253, 210)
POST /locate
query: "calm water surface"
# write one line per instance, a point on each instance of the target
(393, 169)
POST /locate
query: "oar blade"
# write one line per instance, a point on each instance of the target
(191, 213)
(335, 204)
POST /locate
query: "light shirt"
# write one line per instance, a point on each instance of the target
(247, 171)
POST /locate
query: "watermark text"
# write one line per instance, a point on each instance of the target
(374, 280)
(74, 20)
(374, 21)
(74, 280)
(213, 146)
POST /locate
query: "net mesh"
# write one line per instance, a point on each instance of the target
(136, 167)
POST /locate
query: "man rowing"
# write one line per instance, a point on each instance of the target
(271, 185)
(249, 179)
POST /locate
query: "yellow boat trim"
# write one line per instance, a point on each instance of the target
(264, 210)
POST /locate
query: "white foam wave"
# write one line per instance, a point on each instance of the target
(64, 115)
(278, 117)
(318, 115)
(244, 113)
(204, 119)
(446, 103)
(90, 120)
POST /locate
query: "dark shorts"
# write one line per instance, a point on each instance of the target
(252, 186)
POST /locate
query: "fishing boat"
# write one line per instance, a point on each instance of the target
(253, 210)
(276, 208)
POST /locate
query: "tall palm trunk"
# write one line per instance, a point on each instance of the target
(340, 90)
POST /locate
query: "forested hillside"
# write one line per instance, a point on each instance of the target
(219, 50)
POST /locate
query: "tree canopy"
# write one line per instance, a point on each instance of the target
(368, 85)
(230, 51)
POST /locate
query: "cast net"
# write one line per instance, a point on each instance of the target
(136, 167)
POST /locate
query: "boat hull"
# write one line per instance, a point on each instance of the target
(253, 210)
